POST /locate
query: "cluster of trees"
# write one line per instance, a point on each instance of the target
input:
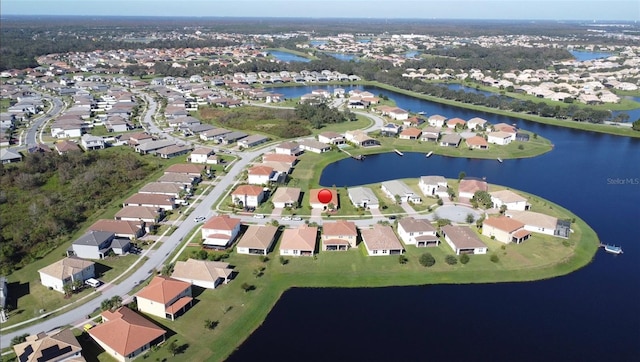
(321, 114)
(44, 199)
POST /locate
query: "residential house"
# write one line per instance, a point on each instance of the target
(286, 197)
(9, 156)
(469, 186)
(261, 175)
(391, 129)
(314, 146)
(510, 200)
(248, 195)
(165, 297)
(477, 142)
(477, 123)
(360, 138)
(541, 223)
(363, 197)
(430, 134)
(200, 155)
(331, 138)
(288, 148)
(381, 240)
(89, 142)
(220, 231)
(450, 140)
(186, 168)
(151, 147)
(135, 139)
(163, 188)
(117, 124)
(157, 201)
(398, 114)
(456, 123)
(418, 232)
(253, 141)
(276, 157)
(300, 241)
(214, 134)
(203, 273)
(124, 334)
(505, 230)
(120, 228)
(463, 240)
(55, 346)
(413, 122)
(181, 179)
(410, 133)
(65, 146)
(173, 151)
(257, 240)
(150, 215)
(339, 235)
(231, 137)
(398, 188)
(434, 186)
(66, 271)
(92, 245)
(3, 294)
(500, 138)
(437, 120)
(315, 203)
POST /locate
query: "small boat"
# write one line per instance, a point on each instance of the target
(422, 112)
(429, 154)
(499, 159)
(612, 249)
(398, 152)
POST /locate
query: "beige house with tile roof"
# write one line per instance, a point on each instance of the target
(300, 241)
(257, 240)
(339, 235)
(165, 297)
(418, 232)
(285, 197)
(381, 240)
(66, 271)
(203, 273)
(220, 231)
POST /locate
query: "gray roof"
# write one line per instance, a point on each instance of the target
(358, 194)
(200, 128)
(234, 136)
(155, 145)
(397, 187)
(7, 154)
(433, 180)
(120, 243)
(94, 238)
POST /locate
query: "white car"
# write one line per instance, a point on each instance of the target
(286, 218)
(93, 282)
(297, 218)
(199, 218)
(258, 216)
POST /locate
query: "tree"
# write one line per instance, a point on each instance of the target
(67, 289)
(483, 198)
(464, 258)
(470, 218)
(209, 324)
(427, 260)
(398, 199)
(494, 258)
(451, 259)
(636, 125)
(246, 287)
(173, 348)
(167, 269)
(283, 260)
(402, 259)
(462, 175)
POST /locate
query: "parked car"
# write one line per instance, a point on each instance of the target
(286, 218)
(93, 282)
(199, 218)
(258, 216)
(297, 218)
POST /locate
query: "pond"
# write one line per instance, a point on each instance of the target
(582, 56)
(288, 57)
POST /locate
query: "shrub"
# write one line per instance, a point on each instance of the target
(464, 258)
(427, 260)
(494, 258)
(283, 260)
(402, 259)
(451, 260)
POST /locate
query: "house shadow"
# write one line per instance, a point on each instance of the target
(101, 269)
(196, 291)
(15, 291)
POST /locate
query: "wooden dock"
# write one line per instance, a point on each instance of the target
(398, 152)
(358, 157)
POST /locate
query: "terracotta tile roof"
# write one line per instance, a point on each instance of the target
(477, 141)
(260, 170)
(455, 121)
(277, 157)
(302, 238)
(125, 331)
(411, 132)
(163, 289)
(221, 222)
(339, 228)
(472, 185)
(380, 237)
(258, 237)
(313, 197)
(504, 223)
(250, 190)
(179, 304)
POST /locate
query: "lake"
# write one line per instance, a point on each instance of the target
(288, 57)
(589, 315)
(586, 55)
(343, 56)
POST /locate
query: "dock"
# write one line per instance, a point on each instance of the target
(429, 154)
(611, 248)
(358, 157)
(499, 159)
(398, 152)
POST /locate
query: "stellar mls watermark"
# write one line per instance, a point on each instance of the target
(623, 181)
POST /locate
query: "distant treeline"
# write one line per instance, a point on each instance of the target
(44, 199)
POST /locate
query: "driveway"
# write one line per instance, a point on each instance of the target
(408, 209)
(455, 213)
(276, 213)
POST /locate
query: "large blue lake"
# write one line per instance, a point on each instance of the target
(592, 314)
(288, 57)
(586, 55)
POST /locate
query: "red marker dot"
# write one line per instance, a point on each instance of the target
(325, 196)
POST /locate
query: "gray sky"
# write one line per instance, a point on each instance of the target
(428, 9)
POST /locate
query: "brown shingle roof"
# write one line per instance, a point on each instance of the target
(116, 226)
(380, 237)
(462, 237)
(472, 185)
(413, 225)
(125, 331)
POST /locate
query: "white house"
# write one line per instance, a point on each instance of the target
(220, 231)
(165, 297)
(437, 120)
(260, 175)
(66, 271)
(363, 197)
(433, 186)
(201, 154)
(500, 138)
(247, 195)
(300, 241)
(463, 240)
(509, 199)
(399, 188)
(203, 273)
(381, 240)
(285, 197)
(418, 232)
(288, 148)
(89, 142)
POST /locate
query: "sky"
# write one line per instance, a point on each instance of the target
(384, 9)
